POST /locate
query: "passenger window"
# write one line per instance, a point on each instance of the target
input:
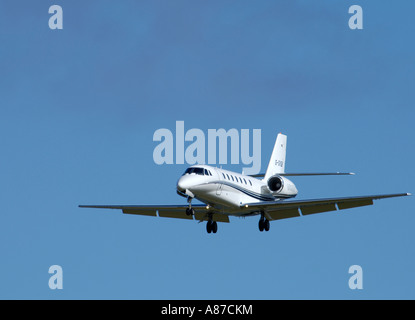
(250, 182)
(228, 176)
(244, 180)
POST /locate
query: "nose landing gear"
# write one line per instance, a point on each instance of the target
(190, 211)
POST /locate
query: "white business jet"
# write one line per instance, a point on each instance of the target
(225, 193)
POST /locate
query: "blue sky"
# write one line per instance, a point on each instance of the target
(79, 106)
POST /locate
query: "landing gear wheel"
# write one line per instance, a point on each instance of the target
(190, 211)
(261, 224)
(209, 226)
(214, 227)
(266, 225)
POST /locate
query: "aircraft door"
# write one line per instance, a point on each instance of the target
(220, 185)
(219, 189)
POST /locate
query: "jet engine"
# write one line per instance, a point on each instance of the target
(275, 184)
(278, 185)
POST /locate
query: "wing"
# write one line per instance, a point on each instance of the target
(288, 209)
(166, 211)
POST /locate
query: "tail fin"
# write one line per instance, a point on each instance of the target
(277, 162)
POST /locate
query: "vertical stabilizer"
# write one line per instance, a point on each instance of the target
(277, 162)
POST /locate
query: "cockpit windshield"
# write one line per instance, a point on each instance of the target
(199, 171)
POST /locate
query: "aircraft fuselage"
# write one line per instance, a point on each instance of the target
(226, 191)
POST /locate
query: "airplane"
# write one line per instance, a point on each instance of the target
(225, 193)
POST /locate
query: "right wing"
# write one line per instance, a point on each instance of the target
(165, 211)
(282, 209)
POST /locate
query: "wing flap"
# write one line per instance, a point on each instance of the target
(282, 214)
(180, 214)
(354, 204)
(143, 212)
(306, 210)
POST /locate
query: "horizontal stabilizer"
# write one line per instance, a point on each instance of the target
(260, 175)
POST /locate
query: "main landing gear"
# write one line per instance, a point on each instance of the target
(211, 226)
(263, 224)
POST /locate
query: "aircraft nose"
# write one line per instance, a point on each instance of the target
(183, 184)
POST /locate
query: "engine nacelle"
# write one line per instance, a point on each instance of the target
(278, 185)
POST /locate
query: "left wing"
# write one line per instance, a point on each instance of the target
(287, 209)
(166, 211)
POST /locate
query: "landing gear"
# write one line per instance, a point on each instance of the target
(190, 211)
(211, 226)
(263, 224)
